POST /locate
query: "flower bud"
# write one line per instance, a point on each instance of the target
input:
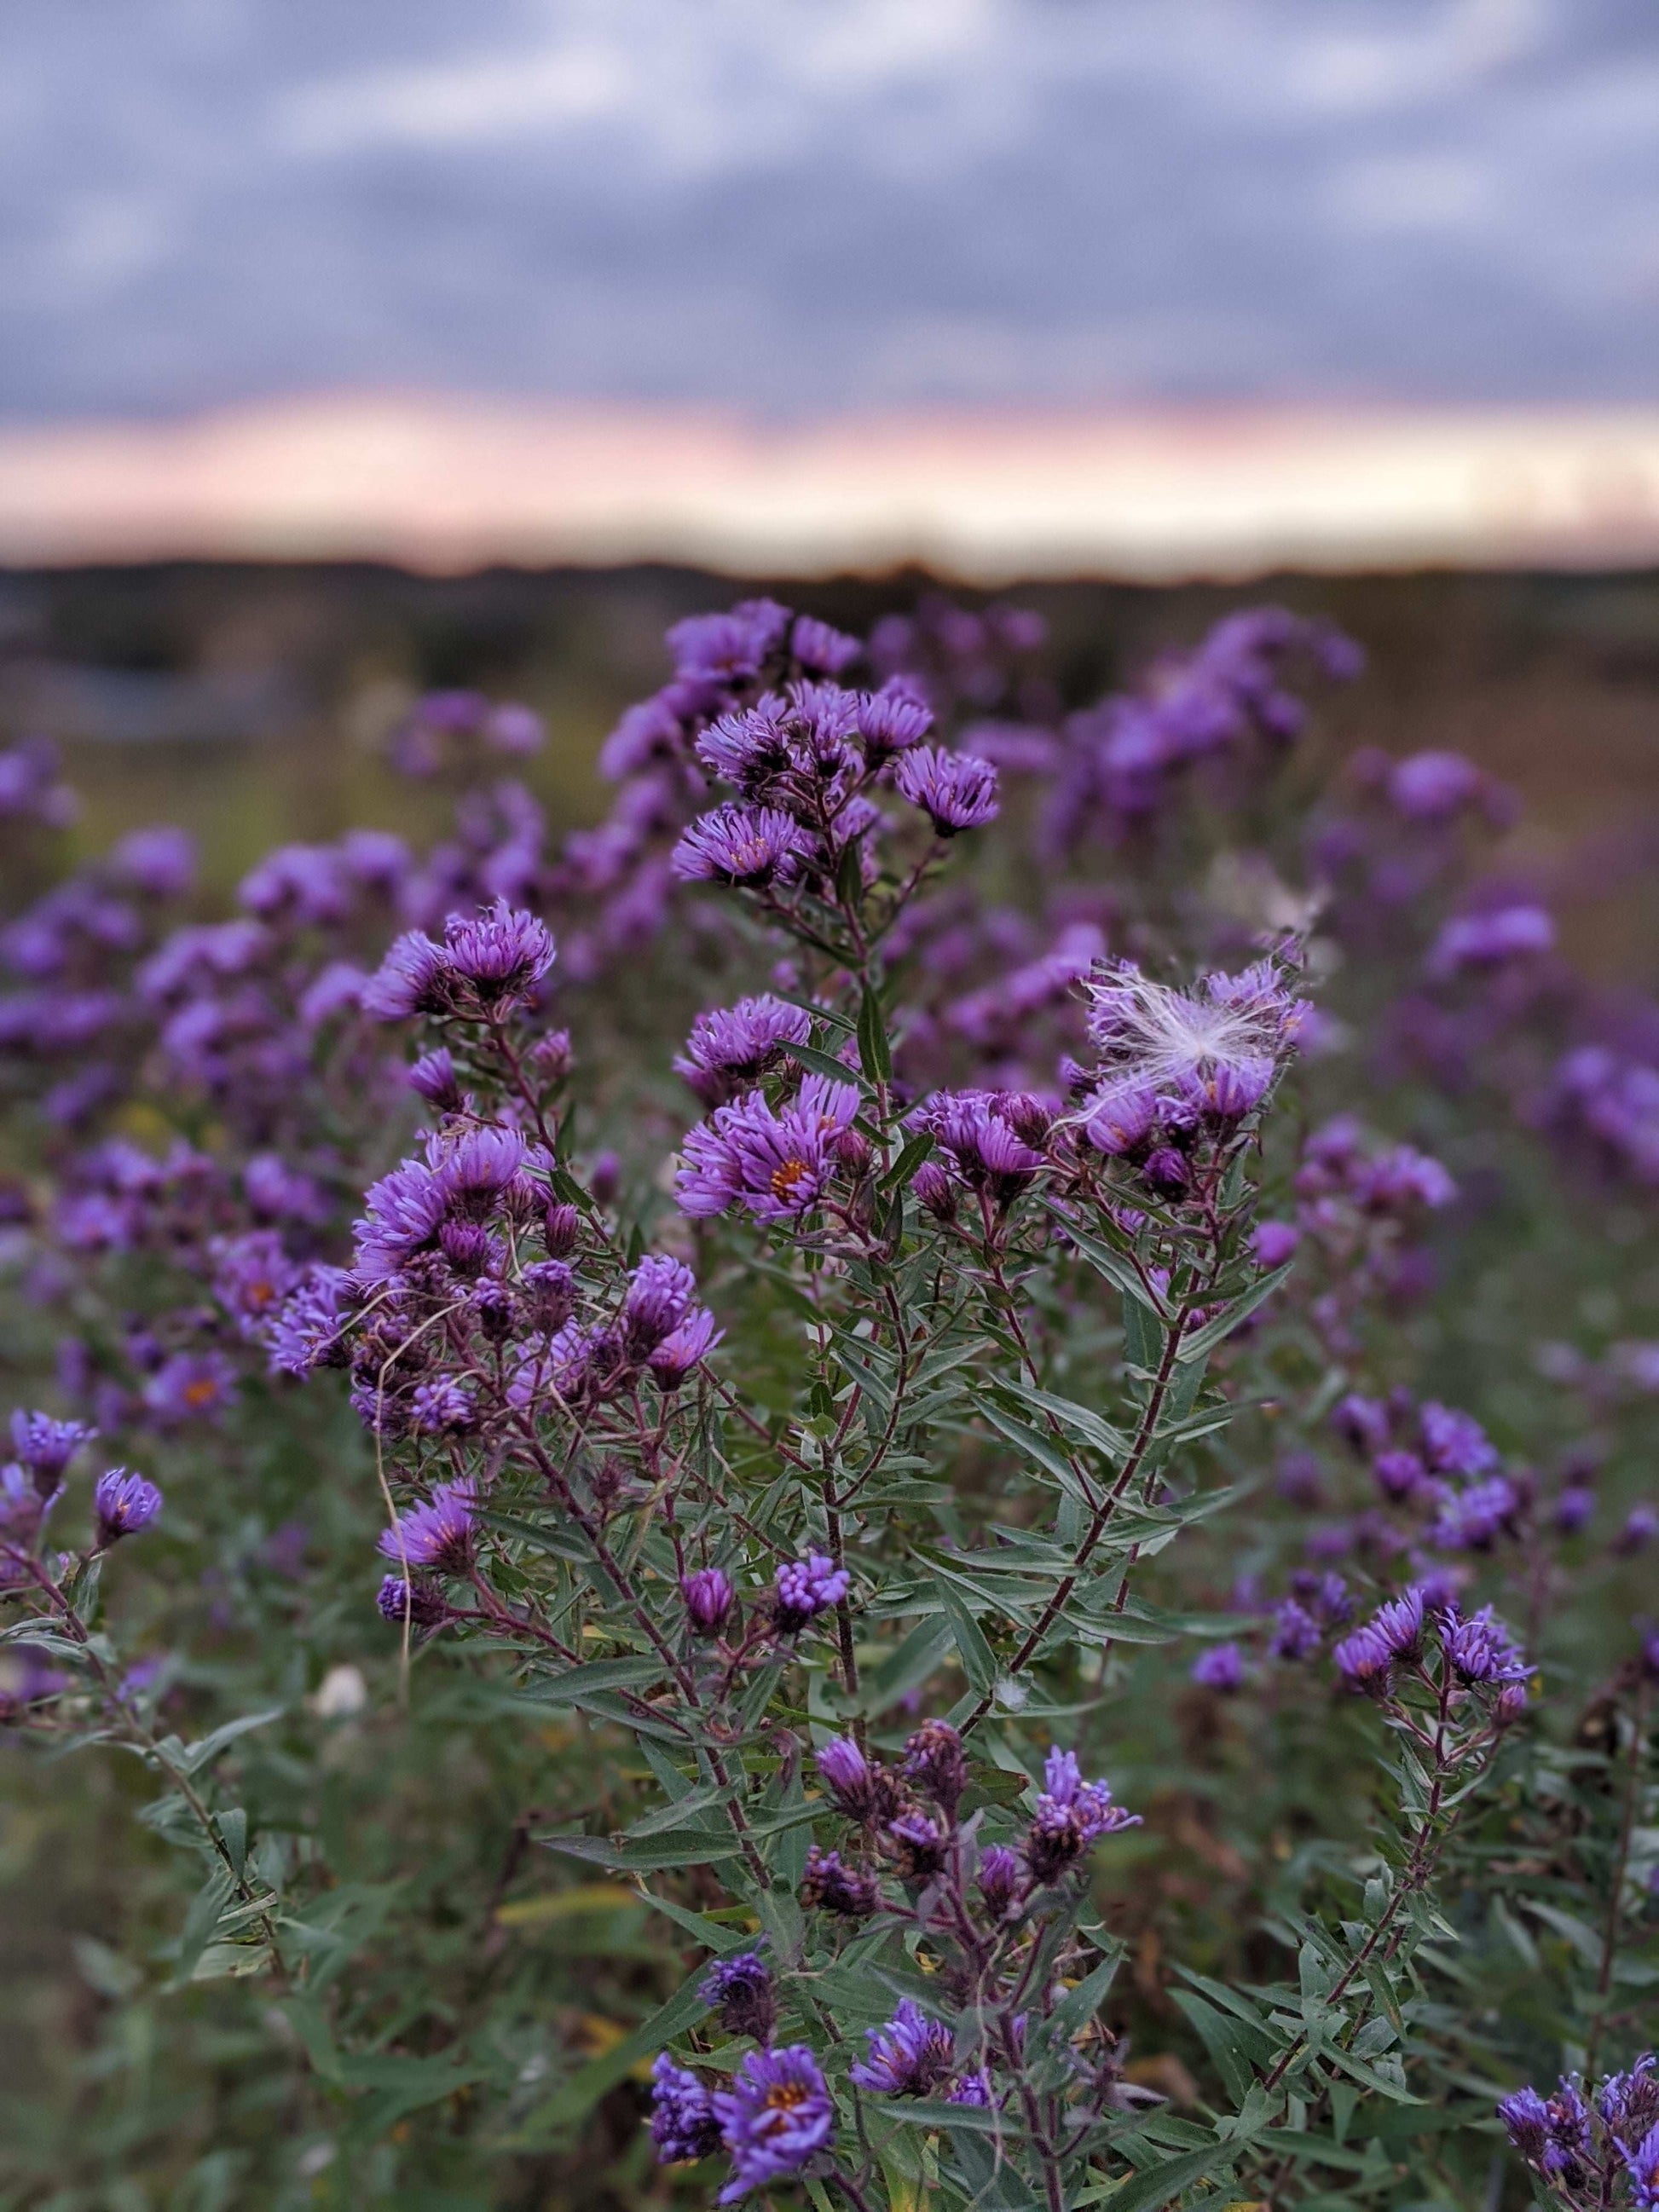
(561, 1226)
(709, 1598)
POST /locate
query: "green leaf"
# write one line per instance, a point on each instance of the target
(585, 2088)
(874, 1051)
(1205, 1339)
(1232, 2046)
(1143, 1334)
(206, 1909)
(680, 1847)
(978, 1660)
(194, 1757)
(915, 1152)
(1082, 1420)
(820, 1063)
(1154, 2186)
(1115, 1267)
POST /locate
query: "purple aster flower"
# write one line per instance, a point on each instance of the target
(22, 1509)
(275, 1192)
(190, 1386)
(561, 1230)
(1574, 1508)
(1481, 1649)
(683, 2122)
(709, 1598)
(306, 1332)
(806, 1588)
(403, 1214)
(160, 861)
(1471, 1520)
(1527, 2118)
(1070, 1813)
(1119, 1117)
(918, 1844)
(1404, 1177)
(503, 953)
(432, 1077)
(45, 1447)
(438, 1535)
(1273, 1243)
(776, 2115)
(1222, 1668)
(1362, 1422)
(1568, 2124)
(684, 1348)
(1454, 1442)
(1640, 1527)
(417, 1600)
(1002, 1879)
(122, 1505)
(511, 727)
(731, 645)
(1297, 1634)
(956, 791)
(740, 1989)
(935, 1190)
(815, 646)
(972, 2089)
(1365, 1660)
(1629, 2102)
(305, 883)
(474, 1170)
(414, 977)
(775, 1163)
(934, 1761)
(973, 1128)
(375, 859)
(751, 746)
(1642, 2165)
(909, 2057)
(1400, 1474)
(1485, 940)
(737, 1043)
(850, 1892)
(1430, 786)
(749, 845)
(659, 1295)
(1399, 1622)
(863, 1791)
(443, 1409)
(892, 721)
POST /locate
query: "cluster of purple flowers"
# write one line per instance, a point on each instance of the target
(773, 2120)
(1225, 707)
(1583, 2147)
(1477, 1652)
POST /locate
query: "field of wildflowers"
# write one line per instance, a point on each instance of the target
(891, 1485)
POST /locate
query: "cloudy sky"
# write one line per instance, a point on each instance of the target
(800, 204)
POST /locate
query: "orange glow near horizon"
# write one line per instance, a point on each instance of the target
(984, 496)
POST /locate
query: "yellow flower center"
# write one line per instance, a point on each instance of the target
(787, 1178)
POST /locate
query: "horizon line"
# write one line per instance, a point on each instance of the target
(445, 482)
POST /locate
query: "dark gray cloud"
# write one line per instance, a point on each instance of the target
(796, 203)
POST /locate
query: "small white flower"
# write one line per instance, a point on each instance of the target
(340, 1694)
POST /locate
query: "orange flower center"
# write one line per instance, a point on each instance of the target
(787, 1179)
(201, 1392)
